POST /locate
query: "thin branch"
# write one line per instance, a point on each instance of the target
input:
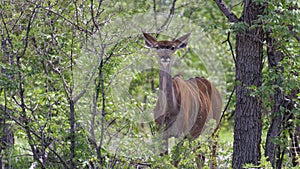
(230, 97)
(58, 71)
(76, 98)
(10, 111)
(118, 73)
(155, 13)
(226, 11)
(226, 107)
(169, 18)
(291, 28)
(28, 29)
(92, 14)
(98, 9)
(231, 48)
(66, 19)
(97, 14)
(6, 29)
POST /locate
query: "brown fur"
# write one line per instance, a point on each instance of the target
(184, 106)
(198, 101)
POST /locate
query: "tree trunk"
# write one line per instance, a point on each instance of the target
(72, 133)
(6, 138)
(248, 127)
(274, 58)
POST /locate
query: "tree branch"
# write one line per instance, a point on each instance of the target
(291, 28)
(226, 11)
(64, 18)
(231, 48)
(168, 20)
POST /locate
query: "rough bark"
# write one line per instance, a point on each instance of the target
(274, 58)
(248, 127)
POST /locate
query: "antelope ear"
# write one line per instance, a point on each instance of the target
(182, 41)
(149, 40)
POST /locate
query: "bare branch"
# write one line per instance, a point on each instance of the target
(30, 21)
(58, 71)
(231, 48)
(76, 98)
(168, 20)
(66, 19)
(10, 116)
(226, 11)
(98, 12)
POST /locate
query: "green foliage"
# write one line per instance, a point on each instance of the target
(264, 163)
(54, 51)
(44, 58)
(240, 27)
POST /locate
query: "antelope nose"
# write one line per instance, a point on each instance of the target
(165, 59)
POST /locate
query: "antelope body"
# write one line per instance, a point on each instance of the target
(183, 106)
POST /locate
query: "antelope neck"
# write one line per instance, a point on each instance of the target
(166, 87)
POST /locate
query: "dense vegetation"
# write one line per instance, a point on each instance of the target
(77, 86)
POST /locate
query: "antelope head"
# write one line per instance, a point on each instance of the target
(165, 49)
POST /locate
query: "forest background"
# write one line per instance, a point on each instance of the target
(78, 87)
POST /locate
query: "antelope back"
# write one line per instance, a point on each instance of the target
(199, 101)
(211, 106)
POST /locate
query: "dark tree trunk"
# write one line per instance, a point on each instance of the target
(6, 132)
(6, 137)
(248, 127)
(72, 134)
(274, 58)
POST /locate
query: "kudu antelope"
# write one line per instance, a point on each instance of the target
(183, 106)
